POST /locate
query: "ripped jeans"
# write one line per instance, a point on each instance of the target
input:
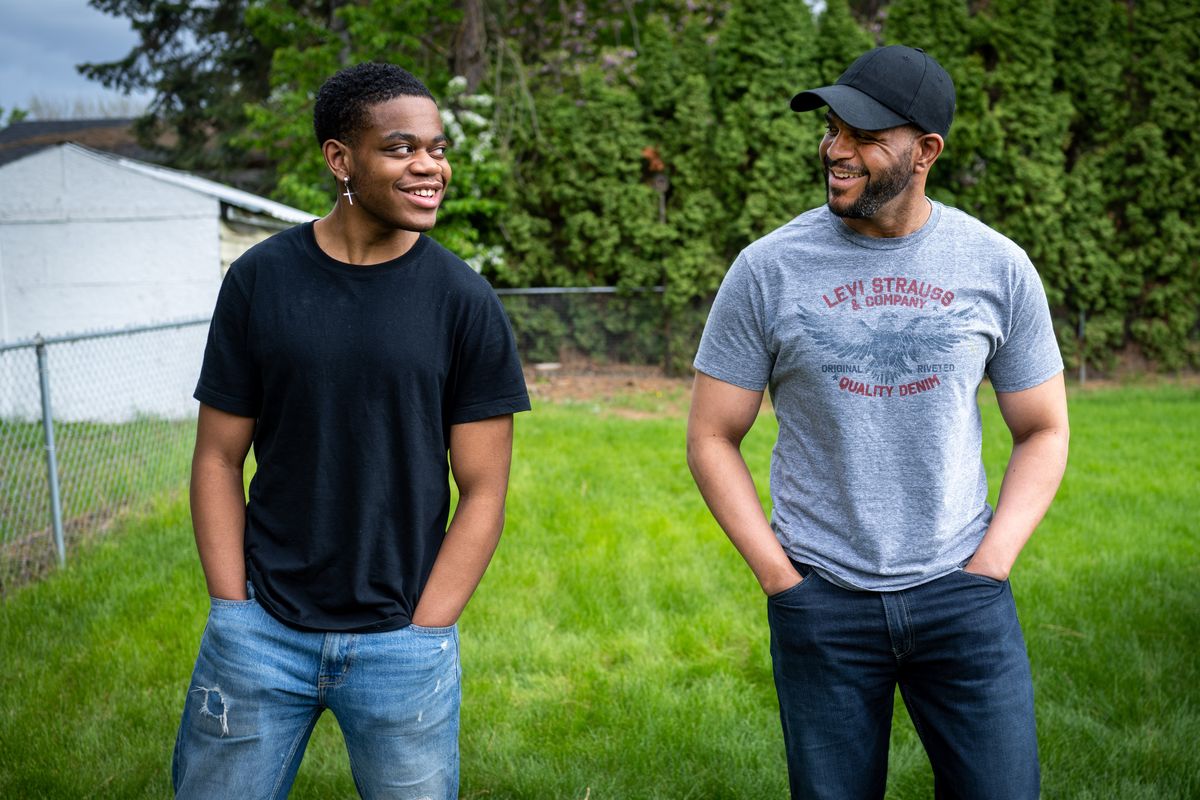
(259, 687)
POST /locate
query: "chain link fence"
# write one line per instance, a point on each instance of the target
(94, 426)
(91, 427)
(600, 326)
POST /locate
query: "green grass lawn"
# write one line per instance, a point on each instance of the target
(617, 647)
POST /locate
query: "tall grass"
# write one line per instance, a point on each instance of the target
(617, 647)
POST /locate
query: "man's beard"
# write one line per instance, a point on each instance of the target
(880, 189)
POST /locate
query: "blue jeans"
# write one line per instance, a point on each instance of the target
(954, 647)
(259, 687)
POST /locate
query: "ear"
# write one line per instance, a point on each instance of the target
(926, 149)
(338, 158)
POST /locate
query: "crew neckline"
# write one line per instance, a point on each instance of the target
(887, 242)
(327, 261)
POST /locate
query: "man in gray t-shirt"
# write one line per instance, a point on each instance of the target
(873, 321)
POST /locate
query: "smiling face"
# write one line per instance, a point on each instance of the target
(397, 164)
(865, 171)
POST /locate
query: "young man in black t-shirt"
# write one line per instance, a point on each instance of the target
(355, 354)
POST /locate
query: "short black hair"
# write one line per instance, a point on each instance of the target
(340, 111)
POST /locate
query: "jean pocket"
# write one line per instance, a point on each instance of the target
(421, 629)
(220, 602)
(793, 590)
(984, 579)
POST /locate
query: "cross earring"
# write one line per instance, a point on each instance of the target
(349, 195)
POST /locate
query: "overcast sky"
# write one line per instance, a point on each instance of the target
(41, 41)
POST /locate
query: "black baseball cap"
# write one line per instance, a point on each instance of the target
(887, 87)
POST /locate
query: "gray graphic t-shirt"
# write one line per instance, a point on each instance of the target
(873, 350)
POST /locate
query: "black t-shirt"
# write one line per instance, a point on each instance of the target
(355, 375)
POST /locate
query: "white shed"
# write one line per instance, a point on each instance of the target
(91, 241)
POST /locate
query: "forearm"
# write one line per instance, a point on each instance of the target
(466, 551)
(728, 488)
(1035, 470)
(219, 520)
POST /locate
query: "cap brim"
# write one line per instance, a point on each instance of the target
(856, 108)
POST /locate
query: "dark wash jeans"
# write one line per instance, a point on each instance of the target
(954, 647)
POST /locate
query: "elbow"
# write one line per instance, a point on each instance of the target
(1050, 444)
(216, 466)
(704, 451)
(693, 454)
(487, 501)
(1061, 434)
(1057, 433)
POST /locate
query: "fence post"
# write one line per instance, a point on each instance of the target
(51, 459)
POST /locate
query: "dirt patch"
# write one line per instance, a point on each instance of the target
(631, 391)
(31, 557)
(644, 392)
(1189, 380)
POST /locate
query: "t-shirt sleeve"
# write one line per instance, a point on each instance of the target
(1028, 355)
(488, 381)
(229, 380)
(734, 347)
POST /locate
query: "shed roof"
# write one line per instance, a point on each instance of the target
(237, 198)
(111, 135)
(246, 201)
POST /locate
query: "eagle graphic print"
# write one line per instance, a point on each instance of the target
(895, 346)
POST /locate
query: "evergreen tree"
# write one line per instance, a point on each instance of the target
(584, 215)
(1076, 115)
(1158, 235)
(602, 141)
(840, 40)
(1024, 184)
(1003, 160)
(203, 66)
(943, 28)
(1092, 56)
(304, 51)
(677, 98)
(767, 52)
